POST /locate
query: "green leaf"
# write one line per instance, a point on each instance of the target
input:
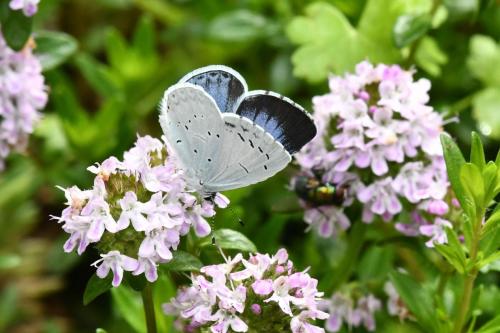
(492, 326)
(53, 48)
(486, 106)
(375, 263)
(416, 299)
(182, 262)
(430, 57)
(230, 240)
(477, 151)
(473, 185)
(163, 290)
(16, 28)
(97, 75)
(143, 40)
(488, 260)
(490, 179)
(96, 287)
(129, 305)
(484, 60)
(453, 251)
(241, 26)
(409, 28)
(9, 261)
(490, 241)
(329, 43)
(100, 330)
(454, 162)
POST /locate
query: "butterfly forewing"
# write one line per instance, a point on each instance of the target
(286, 121)
(224, 84)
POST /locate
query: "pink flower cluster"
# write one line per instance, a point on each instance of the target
(29, 7)
(341, 309)
(22, 95)
(378, 138)
(249, 295)
(136, 211)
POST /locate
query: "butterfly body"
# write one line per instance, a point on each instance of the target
(222, 136)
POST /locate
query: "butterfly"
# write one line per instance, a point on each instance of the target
(226, 137)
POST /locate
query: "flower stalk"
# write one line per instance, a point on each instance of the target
(149, 309)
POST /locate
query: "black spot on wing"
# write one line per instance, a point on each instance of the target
(287, 122)
(243, 167)
(224, 87)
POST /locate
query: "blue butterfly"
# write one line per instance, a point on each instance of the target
(227, 137)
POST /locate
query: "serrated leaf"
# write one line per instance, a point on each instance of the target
(409, 28)
(329, 43)
(454, 162)
(96, 287)
(16, 29)
(416, 299)
(53, 48)
(231, 240)
(182, 262)
(477, 151)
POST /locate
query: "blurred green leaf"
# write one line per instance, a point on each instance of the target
(375, 263)
(486, 110)
(182, 262)
(53, 48)
(241, 26)
(129, 305)
(100, 330)
(430, 57)
(461, 9)
(51, 129)
(409, 28)
(230, 240)
(492, 326)
(143, 40)
(16, 27)
(484, 60)
(163, 290)
(96, 287)
(417, 300)
(97, 75)
(9, 261)
(9, 297)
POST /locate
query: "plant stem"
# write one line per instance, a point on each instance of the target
(356, 240)
(469, 281)
(149, 309)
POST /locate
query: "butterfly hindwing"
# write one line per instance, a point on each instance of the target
(286, 121)
(224, 84)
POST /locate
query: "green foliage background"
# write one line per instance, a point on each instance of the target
(107, 63)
